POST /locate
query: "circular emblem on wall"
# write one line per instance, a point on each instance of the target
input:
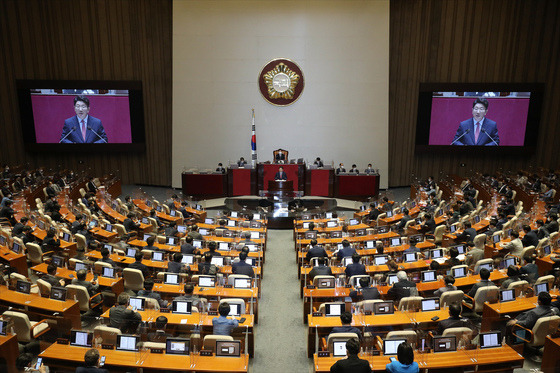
(281, 82)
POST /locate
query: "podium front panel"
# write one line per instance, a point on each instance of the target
(319, 182)
(241, 182)
(294, 172)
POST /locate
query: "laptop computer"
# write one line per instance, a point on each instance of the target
(235, 309)
(57, 261)
(172, 241)
(177, 346)
(137, 303)
(370, 244)
(380, 259)
(80, 265)
(108, 272)
(171, 279)
(353, 222)
(3, 327)
(389, 214)
(539, 288)
(507, 295)
(429, 276)
(218, 261)
(131, 252)
(181, 306)
(157, 256)
(58, 293)
(490, 339)
(396, 241)
(459, 272)
(332, 224)
(81, 338)
(255, 235)
(390, 346)
(507, 262)
(334, 309)
(410, 257)
(436, 253)
(391, 279)
(187, 259)
(23, 286)
(339, 348)
(182, 228)
(326, 283)
(207, 281)
(242, 283)
(430, 304)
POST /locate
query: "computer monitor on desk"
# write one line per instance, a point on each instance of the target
(182, 306)
(444, 344)
(127, 342)
(390, 346)
(177, 346)
(207, 281)
(228, 348)
(334, 309)
(339, 348)
(81, 338)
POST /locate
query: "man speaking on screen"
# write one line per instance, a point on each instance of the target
(477, 130)
(82, 128)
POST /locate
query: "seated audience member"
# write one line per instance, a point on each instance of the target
(18, 228)
(129, 204)
(354, 169)
(530, 238)
(542, 232)
(515, 246)
(346, 250)
(355, 268)
(365, 292)
(242, 267)
(405, 361)
(220, 168)
(149, 293)
(352, 364)
(188, 248)
(453, 260)
(502, 219)
(552, 223)
(189, 296)
(50, 241)
(183, 210)
(513, 275)
(212, 247)
(122, 317)
(150, 241)
(468, 234)
(369, 169)
(160, 335)
(491, 227)
(51, 278)
(530, 271)
(206, 267)
(374, 213)
(412, 246)
(484, 281)
(139, 265)
(473, 255)
(8, 212)
(528, 319)
(454, 320)
(223, 325)
(175, 266)
(405, 219)
(105, 257)
(194, 233)
(171, 230)
(27, 235)
(402, 288)
(153, 215)
(346, 320)
(321, 269)
(130, 224)
(449, 281)
(91, 360)
(91, 287)
(315, 251)
(318, 162)
(429, 224)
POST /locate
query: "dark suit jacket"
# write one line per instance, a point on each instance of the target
(401, 289)
(354, 269)
(281, 176)
(365, 294)
(91, 370)
(316, 251)
(489, 127)
(142, 267)
(530, 239)
(76, 136)
(320, 271)
(123, 318)
(242, 268)
(352, 364)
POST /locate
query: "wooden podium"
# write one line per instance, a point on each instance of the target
(280, 185)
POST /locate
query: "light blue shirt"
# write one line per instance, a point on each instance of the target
(223, 325)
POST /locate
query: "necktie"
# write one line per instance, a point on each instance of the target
(477, 132)
(84, 129)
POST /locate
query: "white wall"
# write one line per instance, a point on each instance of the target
(219, 49)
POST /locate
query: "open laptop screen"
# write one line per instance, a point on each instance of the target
(218, 261)
(187, 259)
(539, 288)
(334, 309)
(3, 327)
(326, 283)
(182, 306)
(81, 338)
(58, 293)
(436, 253)
(396, 241)
(242, 283)
(429, 276)
(410, 257)
(127, 342)
(391, 279)
(171, 279)
(23, 286)
(390, 346)
(380, 259)
(207, 281)
(157, 256)
(137, 303)
(459, 272)
(339, 348)
(383, 308)
(234, 309)
(177, 346)
(490, 339)
(431, 304)
(507, 295)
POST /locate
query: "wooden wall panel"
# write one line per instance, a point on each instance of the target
(470, 41)
(93, 40)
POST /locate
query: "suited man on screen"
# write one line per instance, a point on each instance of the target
(281, 175)
(82, 128)
(478, 130)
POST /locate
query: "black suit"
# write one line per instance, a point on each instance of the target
(552, 226)
(50, 191)
(452, 322)
(401, 289)
(281, 176)
(352, 364)
(355, 269)
(130, 225)
(365, 294)
(142, 267)
(175, 267)
(242, 268)
(530, 239)
(468, 235)
(187, 248)
(316, 252)
(123, 318)
(320, 271)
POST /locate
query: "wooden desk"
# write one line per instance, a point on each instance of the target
(104, 235)
(68, 311)
(18, 261)
(65, 356)
(116, 284)
(551, 355)
(504, 359)
(68, 247)
(9, 351)
(493, 314)
(118, 217)
(141, 204)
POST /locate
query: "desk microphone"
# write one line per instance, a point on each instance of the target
(491, 138)
(92, 130)
(68, 134)
(458, 138)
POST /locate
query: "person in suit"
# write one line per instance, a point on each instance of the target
(401, 288)
(477, 130)
(281, 175)
(530, 238)
(188, 248)
(354, 169)
(51, 278)
(129, 223)
(346, 321)
(241, 162)
(552, 223)
(454, 321)
(220, 168)
(280, 157)
(139, 265)
(449, 281)
(320, 270)
(352, 364)
(242, 267)
(91, 359)
(484, 281)
(405, 219)
(340, 168)
(429, 224)
(355, 268)
(541, 230)
(189, 296)
(346, 250)
(528, 319)
(315, 251)
(474, 255)
(468, 234)
(412, 241)
(8, 212)
(51, 192)
(149, 293)
(122, 317)
(365, 292)
(175, 266)
(369, 169)
(80, 280)
(18, 228)
(82, 128)
(318, 162)
(160, 335)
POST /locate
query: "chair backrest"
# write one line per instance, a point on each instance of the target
(451, 297)
(79, 293)
(318, 278)
(519, 286)
(154, 224)
(543, 327)
(410, 303)
(339, 337)
(22, 326)
(121, 230)
(528, 251)
(98, 266)
(106, 334)
(34, 253)
(151, 303)
(410, 335)
(482, 262)
(463, 334)
(438, 232)
(356, 279)
(479, 241)
(133, 279)
(80, 241)
(231, 278)
(367, 305)
(209, 342)
(44, 287)
(322, 306)
(232, 301)
(547, 278)
(485, 294)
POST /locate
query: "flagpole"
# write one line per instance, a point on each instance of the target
(253, 141)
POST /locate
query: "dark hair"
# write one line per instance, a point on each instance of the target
(83, 99)
(514, 234)
(405, 211)
(544, 298)
(150, 240)
(346, 317)
(177, 257)
(449, 280)
(123, 299)
(188, 239)
(311, 226)
(138, 256)
(484, 273)
(453, 252)
(481, 101)
(364, 282)
(528, 258)
(81, 274)
(512, 271)
(412, 241)
(51, 269)
(23, 360)
(526, 228)
(242, 256)
(435, 265)
(321, 261)
(467, 224)
(189, 288)
(104, 252)
(356, 258)
(161, 321)
(345, 243)
(353, 346)
(313, 242)
(130, 215)
(212, 245)
(51, 232)
(454, 309)
(149, 284)
(224, 308)
(405, 354)
(207, 257)
(91, 357)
